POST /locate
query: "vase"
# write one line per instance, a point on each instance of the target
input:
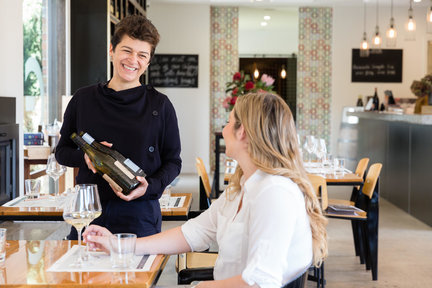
(419, 103)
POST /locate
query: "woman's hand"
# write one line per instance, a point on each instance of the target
(88, 161)
(97, 237)
(137, 192)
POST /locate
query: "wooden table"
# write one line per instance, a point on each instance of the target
(346, 179)
(56, 214)
(25, 268)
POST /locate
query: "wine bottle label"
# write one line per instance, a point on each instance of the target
(124, 169)
(88, 138)
(112, 183)
(131, 165)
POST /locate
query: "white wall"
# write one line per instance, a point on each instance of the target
(11, 63)
(185, 29)
(279, 37)
(347, 36)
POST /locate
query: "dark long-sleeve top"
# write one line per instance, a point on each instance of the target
(140, 123)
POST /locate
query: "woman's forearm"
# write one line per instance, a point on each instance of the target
(171, 241)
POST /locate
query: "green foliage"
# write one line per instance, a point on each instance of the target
(32, 38)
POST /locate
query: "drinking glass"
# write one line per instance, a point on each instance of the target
(321, 150)
(95, 213)
(310, 145)
(79, 211)
(54, 170)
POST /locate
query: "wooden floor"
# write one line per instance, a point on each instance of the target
(405, 246)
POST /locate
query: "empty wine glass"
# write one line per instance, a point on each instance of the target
(54, 170)
(95, 213)
(310, 145)
(79, 211)
(321, 150)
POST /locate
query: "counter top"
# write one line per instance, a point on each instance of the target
(409, 118)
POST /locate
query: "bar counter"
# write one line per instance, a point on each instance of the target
(403, 144)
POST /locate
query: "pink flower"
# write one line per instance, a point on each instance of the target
(249, 85)
(226, 102)
(268, 80)
(237, 76)
(235, 91)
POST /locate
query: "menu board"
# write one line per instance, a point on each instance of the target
(173, 70)
(382, 65)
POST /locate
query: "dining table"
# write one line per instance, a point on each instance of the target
(44, 209)
(30, 264)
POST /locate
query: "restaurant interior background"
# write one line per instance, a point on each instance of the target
(185, 29)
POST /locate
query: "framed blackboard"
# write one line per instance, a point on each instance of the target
(382, 65)
(173, 70)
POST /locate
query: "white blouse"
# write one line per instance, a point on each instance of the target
(269, 242)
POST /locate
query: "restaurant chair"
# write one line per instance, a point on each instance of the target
(205, 188)
(365, 212)
(300, 282)
(198, 266)
(360, 171)
(195, 266)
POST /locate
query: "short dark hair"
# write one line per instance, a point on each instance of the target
(137, 27)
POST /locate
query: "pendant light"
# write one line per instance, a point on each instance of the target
(376, 41)
(283, 72)
(391, 34)
(410, 25)
(256, 72)
(429, 19)
(364, 46)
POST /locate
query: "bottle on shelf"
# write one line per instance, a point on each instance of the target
(376, 100)
(114, 172)
(360, 101)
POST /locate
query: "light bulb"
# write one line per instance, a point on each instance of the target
(377, 40)
(364, 45)
(283, 73)
(429, 16)
(391, 32)
(256, 73)
(411, 25)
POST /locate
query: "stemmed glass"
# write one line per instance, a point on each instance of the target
(321, 150)
(95, 213)
(79, 211)
(54, 170)
(310, 145)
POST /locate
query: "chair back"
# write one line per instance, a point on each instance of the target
(371, 179)
(319, 185)
(361, 168)
(204, 177)
(300, 282)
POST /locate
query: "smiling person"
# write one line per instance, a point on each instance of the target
(137, 120)
(268, 223)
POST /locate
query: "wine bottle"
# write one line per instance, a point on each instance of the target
(110, 169)
(375, 101)
(131, 166)
(360, 101)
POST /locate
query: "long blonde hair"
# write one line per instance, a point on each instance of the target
(273, 148)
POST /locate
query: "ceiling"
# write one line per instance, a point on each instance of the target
(293, 3)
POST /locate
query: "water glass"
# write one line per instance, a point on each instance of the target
(32, 188)
(339, 164)
(2, 244)
(122, 250)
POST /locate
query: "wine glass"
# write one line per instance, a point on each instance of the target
(95, 213)
(79, 211)
(310, 145)
(321, 150)
(54, 170)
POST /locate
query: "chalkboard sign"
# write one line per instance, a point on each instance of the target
(382, 65)
(172, 70)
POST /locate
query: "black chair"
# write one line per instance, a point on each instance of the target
(300, 282)
(195, 266)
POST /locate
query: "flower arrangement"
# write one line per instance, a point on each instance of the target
(242, 84)
(423, 87)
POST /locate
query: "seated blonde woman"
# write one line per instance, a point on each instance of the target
(268, 223)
